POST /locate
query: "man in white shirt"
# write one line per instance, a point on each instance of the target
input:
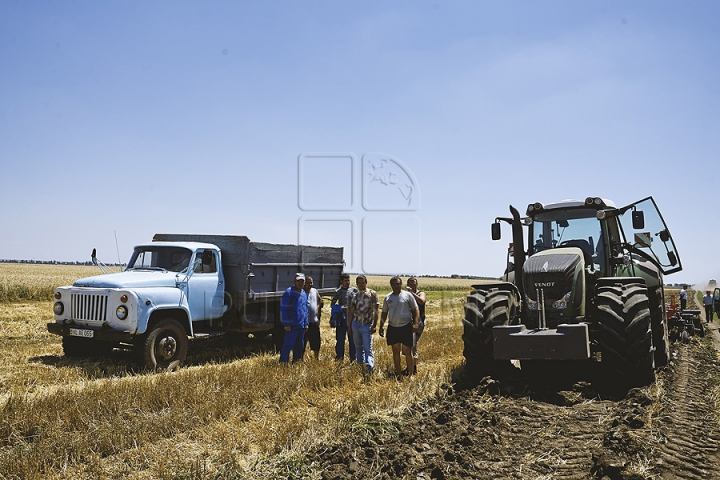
(401, 311)
(708, 303)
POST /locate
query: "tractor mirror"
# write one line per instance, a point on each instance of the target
(664, 236)
(638, 219)
(207, 257)
(672, 258)
(495, 228)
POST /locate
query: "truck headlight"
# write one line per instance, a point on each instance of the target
(58, 308)
(121, 312)
(562, 303)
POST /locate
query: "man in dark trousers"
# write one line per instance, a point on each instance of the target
(294, 317)
(342, 297)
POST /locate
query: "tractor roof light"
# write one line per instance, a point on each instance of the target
(124, 298)
(534, 208)
(595, 202)
(601, 214)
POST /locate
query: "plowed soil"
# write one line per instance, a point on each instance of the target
(553, 424)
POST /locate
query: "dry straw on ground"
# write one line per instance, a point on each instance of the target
(232, 412)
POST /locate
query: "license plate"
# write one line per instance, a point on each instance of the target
(76, 332)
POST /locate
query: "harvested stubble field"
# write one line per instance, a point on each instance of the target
(233, 412)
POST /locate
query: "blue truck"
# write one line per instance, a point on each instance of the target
(185, 285)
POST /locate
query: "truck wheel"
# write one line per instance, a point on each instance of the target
(661, 339)
(166, 346)
(484, 310)
(625, 331)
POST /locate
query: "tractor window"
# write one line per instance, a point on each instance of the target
(654, 238)
(568, 228)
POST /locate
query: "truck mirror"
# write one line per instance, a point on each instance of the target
(638, 219)
(672, 258)
(495, 229)
(664, 236)
(207, 257)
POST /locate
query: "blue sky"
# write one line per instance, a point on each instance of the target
(130, 118)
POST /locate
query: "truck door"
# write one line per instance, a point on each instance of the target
(206, 289)
(653, 238)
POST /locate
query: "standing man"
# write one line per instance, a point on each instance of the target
(708, 303)
(294, 317)
(401, 311)
(683, 298)
(315, 302)
(342, 297)
(362, 320)
(412, 287)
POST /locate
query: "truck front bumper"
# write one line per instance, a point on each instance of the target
(567, 342)
(100, 334)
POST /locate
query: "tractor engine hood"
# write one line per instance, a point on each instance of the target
(129, 279)
(552, 271)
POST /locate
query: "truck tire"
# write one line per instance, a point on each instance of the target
(484, 310)
(625, 331)
(661, 338)
(165, 346)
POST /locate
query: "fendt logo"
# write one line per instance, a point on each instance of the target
(544, 284)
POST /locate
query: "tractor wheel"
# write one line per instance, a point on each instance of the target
(661, 339)
(484, 310)
(701, 330)
(166, 346)
(625, 331)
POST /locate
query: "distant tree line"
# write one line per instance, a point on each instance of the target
(55, 262)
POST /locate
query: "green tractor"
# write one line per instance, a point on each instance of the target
(588, 287)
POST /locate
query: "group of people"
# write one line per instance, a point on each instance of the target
(355, 315)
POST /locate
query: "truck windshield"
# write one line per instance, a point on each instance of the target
(175, 259)
(567, 228)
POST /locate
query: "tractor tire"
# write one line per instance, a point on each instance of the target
(625, 331)
(165, 347)
(661, 339)
(484, 310)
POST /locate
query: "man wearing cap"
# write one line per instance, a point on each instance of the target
(294, 317)
(708, 303)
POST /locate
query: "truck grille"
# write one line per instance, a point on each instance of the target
(85, 306)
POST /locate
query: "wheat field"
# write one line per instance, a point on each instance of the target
(231, 412)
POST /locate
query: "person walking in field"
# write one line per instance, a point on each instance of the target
(412, 287)
(362, 320)
(294, 317)
(314, 305)
(401, 311)
(708, 303)
(342, 297)
(683, 297)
